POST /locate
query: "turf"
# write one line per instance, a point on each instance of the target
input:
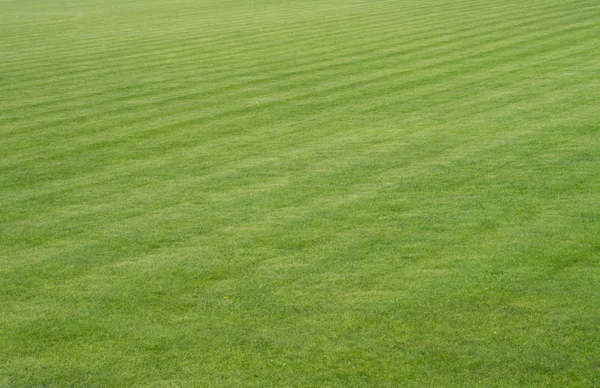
(299, 193)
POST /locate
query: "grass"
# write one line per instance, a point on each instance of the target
(299, 193)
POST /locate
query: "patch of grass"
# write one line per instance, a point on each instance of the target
(299, 193)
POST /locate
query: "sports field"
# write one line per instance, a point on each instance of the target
(323, 193)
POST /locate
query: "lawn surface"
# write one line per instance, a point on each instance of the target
(299, 193)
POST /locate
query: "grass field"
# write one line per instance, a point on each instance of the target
(299, 193)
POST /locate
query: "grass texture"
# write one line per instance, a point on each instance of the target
(299, 193)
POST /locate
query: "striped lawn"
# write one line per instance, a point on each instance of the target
(299, 193)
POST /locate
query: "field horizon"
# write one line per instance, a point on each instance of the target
(299, 193)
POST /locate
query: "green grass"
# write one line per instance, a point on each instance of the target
(299, 193)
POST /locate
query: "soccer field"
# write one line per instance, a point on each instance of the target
(324, 193)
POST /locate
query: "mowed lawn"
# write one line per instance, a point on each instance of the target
(318, 193)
